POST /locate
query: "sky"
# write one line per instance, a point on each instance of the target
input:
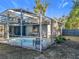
(56, 8)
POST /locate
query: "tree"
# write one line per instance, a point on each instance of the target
(76, 2)
(40, 9)
(40, 6)
(73, 19)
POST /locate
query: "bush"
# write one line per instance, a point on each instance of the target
(60, 39)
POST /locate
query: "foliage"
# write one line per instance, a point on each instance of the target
(76, 2)
(73, 19)
(60, 39)
(40, 6)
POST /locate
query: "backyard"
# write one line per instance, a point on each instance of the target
(67, 50)
(37, 24)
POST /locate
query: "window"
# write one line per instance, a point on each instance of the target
(35, 28)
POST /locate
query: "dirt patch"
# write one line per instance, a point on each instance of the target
(73, 38)
(67, 50)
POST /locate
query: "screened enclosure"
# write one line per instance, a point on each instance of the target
(24, 29)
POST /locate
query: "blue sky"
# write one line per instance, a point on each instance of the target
(56, 8)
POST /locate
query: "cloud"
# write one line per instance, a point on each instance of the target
(14, 3)
(65, 4)
(2, 7)
(61, 4)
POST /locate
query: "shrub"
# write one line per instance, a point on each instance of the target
(60, 39)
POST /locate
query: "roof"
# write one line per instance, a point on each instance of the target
(24, 11)
(17, 13)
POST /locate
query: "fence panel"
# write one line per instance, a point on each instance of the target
(72, 32)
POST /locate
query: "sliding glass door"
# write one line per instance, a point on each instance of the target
(15, 31)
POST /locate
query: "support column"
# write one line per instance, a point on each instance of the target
(12, 30)
(7, 25)
(51, 31)
(40, 33)
(21, 22)
(7, 31)
(46, 31)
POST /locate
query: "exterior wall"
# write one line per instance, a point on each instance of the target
(48, 31)
(2, 32)
(28, 29)
(56, 29)
(44, 30)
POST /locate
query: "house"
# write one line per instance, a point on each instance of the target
(22, 25)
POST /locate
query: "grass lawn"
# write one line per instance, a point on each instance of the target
(67, 50)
